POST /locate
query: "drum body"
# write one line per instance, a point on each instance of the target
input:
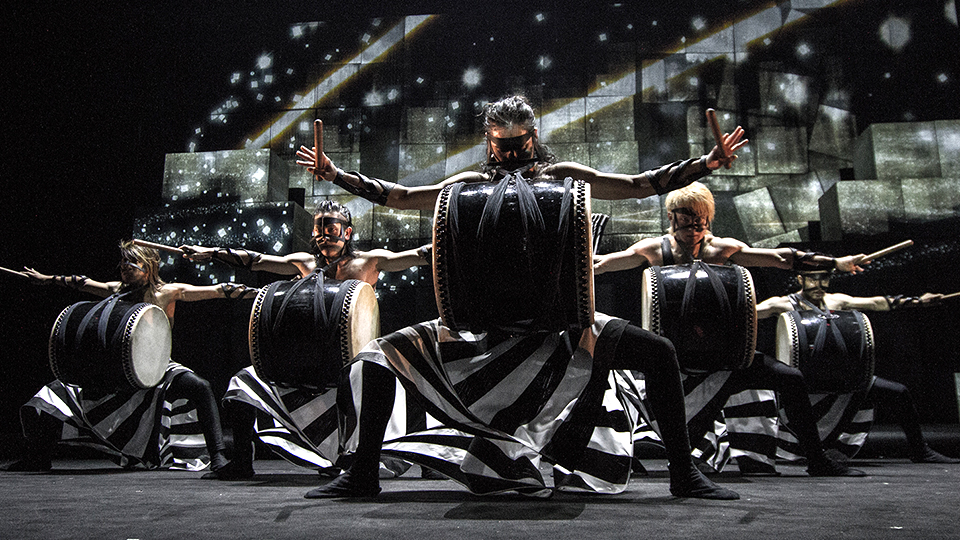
(708, 311)
(110, 345)
(303, 331)
(834, 350)
(514, 256)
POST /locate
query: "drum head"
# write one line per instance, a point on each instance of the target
(149, 346)
(361, 318)
(788, 340)
(649, 302)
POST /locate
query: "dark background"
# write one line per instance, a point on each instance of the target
(96, 96)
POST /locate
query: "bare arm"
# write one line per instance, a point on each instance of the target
(632, 257)
(773, 306)
(389, 261)
(788, 259)
(880, 303)
(78, 282)
(294, 263)
(185, 292)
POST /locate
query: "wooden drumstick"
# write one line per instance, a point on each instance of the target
(717, 135)
(317, 145)
(21, 274)
(949, 296)
(158, 247)
(889, 250)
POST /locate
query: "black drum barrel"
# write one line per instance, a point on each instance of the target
(834, 349)
(708, 311)
(528, 269)
(295, 341)
(110, 346)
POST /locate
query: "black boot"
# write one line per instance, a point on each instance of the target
(687, 481)
(349, 484)
(823, 465)
(928, 455)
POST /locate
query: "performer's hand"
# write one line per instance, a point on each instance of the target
(598, 266)
(931, 299)
(198, 253)
(851, 263)
(731, 143)
(36, 277)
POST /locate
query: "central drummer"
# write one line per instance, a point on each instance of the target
(690, 211)
(512, 394)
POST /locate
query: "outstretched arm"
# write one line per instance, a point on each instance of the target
(193, 293)
(632, 257)
(389, 261)
(294, 263)
(78, 282)
(792, 259)
(882, 303)
(773, 306)
(656, 181)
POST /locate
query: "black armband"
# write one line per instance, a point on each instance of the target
(901, 301)
(73, 281)
(371, 189)
(237, 291)
(234, 259)
(677, 175)
(806, 261)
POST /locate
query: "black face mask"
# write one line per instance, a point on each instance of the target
(516, 145)
(321, 225)
(689, 219)
(131, 264)
(813, 281)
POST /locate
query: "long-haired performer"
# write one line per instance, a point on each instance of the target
(301, 423)
(143, 427)
(502, 421)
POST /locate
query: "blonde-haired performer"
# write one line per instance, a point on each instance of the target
(137, 428)
(690, 211)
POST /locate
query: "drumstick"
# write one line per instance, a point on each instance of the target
(949, 296)
(159, 247)
(317, 145)
(717, 134)
(889, 250)
(21, 274)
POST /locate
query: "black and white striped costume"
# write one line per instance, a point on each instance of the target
(302, 426)
(506, 406)
(726, 418)
(143, 428)
(843, 420)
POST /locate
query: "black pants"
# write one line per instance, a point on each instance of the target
(766, 373)
(896, 398)
(42, 430)
(636, 349)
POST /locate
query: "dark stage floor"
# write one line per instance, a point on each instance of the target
(92, 498)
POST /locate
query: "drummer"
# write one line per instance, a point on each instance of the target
(136, 432)
(444, 358)
(813, 294)
(690, 211)
(333, 252)
(301, 417)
